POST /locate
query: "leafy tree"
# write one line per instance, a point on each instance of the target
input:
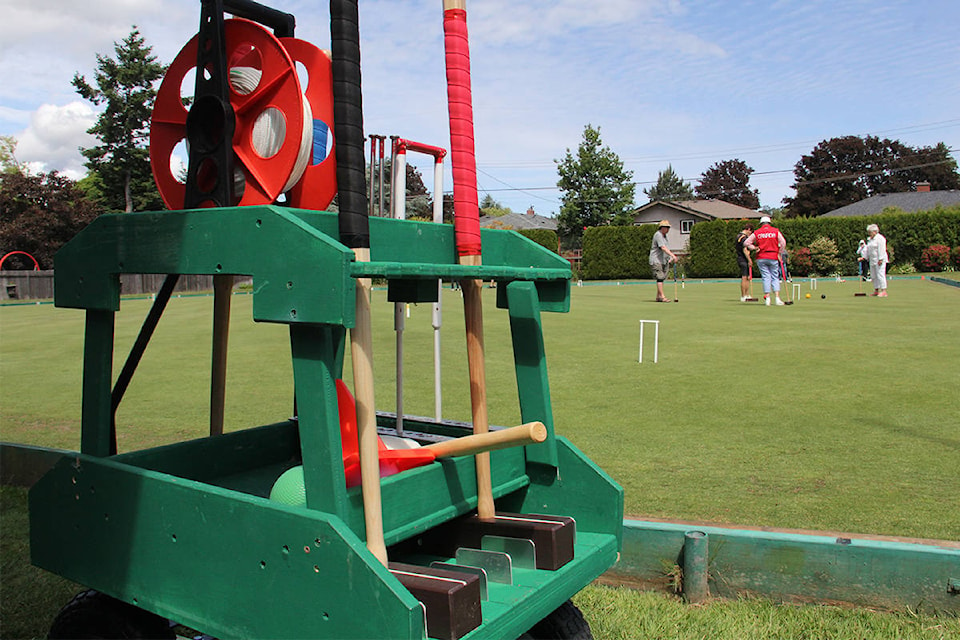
(8, 159)
(775, 213)
(596, 189)
(669, 187)
(40, 213)
(125, 84)
(844, 170)
(729, 181)
(419, 202)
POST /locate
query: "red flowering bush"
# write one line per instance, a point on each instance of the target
(955, 257)
(935, 257)
(801, 262)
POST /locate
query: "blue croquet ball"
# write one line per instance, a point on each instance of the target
(823, 296)
(288, 489)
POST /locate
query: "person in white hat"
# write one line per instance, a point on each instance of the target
(769, 243)
(876, 255)
(661, 257)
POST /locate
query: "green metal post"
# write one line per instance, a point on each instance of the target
(695, 575)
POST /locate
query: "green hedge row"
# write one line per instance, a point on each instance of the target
(544, 237)
(622, 252)
(610, 253)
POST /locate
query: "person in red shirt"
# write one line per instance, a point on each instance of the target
(768, 242)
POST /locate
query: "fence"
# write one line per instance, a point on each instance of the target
(38, 285)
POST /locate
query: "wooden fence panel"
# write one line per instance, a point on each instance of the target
(38, 285)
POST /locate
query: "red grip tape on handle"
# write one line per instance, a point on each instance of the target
(466, 209)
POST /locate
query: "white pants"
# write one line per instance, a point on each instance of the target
(878, 275)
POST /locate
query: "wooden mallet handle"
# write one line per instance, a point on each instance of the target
(529, 433)
(222, 290)
(467, 224)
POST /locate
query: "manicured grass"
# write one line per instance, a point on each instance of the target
(29, 597)
(837, 413)
(623, 614)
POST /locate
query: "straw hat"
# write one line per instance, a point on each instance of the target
(665, 223)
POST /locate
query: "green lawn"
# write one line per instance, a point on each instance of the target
(838, 413)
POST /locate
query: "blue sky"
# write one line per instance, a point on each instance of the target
(667, 81)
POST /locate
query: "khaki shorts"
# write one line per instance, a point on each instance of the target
(659, 271)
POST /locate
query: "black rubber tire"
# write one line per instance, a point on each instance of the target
(565, 623)
(93, 615)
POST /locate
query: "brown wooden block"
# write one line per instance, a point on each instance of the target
(553, 536)
(451, 598)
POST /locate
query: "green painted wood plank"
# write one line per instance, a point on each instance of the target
(866, 572)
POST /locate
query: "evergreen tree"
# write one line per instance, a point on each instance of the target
(490, 207)
(670, 187)
(126, 86)
(596, 189)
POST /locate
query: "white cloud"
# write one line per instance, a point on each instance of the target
(54, 136)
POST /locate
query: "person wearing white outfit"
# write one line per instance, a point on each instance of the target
(876, 255)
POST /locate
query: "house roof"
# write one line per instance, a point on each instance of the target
(518, 221)
(909, 201)
(709, 209)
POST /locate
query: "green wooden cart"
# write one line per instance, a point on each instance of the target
(186, 532)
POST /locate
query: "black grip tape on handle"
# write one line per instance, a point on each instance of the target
(348, 124)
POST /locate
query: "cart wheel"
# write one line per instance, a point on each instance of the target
(92, 614)
(565, 623)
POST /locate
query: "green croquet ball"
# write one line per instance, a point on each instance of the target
(823, 296)
(288, 489)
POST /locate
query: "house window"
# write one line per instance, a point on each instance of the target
(686, 225)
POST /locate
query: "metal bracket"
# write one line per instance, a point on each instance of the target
(498, 566)
(522, 551)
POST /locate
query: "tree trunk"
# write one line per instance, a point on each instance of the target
(126, 192)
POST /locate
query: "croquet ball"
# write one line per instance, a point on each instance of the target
(288, 489)
(823, 296)
(808, 295)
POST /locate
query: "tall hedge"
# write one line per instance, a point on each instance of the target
(544, 237)
(712, 247)
(907, 234)
(617, 252)
(622, 252)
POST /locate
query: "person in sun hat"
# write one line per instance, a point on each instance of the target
(769, 243)
(876, 251)
(661, 257)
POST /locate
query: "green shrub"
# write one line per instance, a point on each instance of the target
(955, 257)
(823, 254)
(935, 257)
(901, 269)
(544, 237)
